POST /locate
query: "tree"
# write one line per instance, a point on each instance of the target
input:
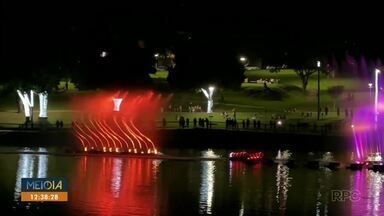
(304, 74)
(304, 68)
(123, 67)
(203, 63)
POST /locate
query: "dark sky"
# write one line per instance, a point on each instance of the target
(44, 30)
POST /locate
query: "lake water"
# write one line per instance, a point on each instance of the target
(101, 185)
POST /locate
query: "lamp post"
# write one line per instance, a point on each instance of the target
(103, 54)
(318, 64)
(244, 60)
(370, 86)
(377, 72)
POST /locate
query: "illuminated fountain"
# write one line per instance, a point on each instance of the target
(326, 161)
(119, 123)
(284, 157)
(367, 129)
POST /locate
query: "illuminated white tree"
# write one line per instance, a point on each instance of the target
(208, 94)
(27, 102)
(116, 104)
(43, 99)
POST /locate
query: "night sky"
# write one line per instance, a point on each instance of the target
(65, 30)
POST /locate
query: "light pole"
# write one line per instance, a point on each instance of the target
(156, 55)
(244, 60)
(370, 86)
(318, 64)
(377, 72)
(103, 54)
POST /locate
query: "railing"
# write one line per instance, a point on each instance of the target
(335, 128)
(300, 128)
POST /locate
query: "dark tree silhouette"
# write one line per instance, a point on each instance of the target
(199, 64)
(304, 74)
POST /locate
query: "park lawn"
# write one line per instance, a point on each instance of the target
(249, 101)
(288, 78)
(159, 75)
(219, 120)
(11, 118)
(288, 91)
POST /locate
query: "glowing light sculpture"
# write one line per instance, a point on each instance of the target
(208, 94)
(27, 102)
(116, 104)
(43, 99)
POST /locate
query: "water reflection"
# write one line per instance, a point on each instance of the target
(375, 185)
(282, 186)
(323, 192)
(207, 184)
(27, 168)
(114, 186)
(116, 177)
(237, 169)
(128, 186)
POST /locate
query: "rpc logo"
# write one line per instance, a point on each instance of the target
(343, 195)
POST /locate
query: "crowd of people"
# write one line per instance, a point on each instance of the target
(348, 113)
(196, 122)
(59, 124)
(290, 119)
(190, 108)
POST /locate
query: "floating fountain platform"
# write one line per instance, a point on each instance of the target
(317, 164)
(289, 163)
(355, 166)
(285, 158)
(249, 158)
(117, 151)
(377, 167)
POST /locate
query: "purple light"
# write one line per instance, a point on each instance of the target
(367, 135)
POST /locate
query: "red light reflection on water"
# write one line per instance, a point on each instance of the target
(114, 186)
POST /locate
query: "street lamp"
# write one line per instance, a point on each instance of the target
(377, 72)
(318, 64)
(370, 86)
(103, 54)
(243, 60)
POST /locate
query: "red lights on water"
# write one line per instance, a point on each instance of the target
(114, 186)
(105, 124)
(246, 156)
(255, 156)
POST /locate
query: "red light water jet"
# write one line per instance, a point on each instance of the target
(117, 122)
